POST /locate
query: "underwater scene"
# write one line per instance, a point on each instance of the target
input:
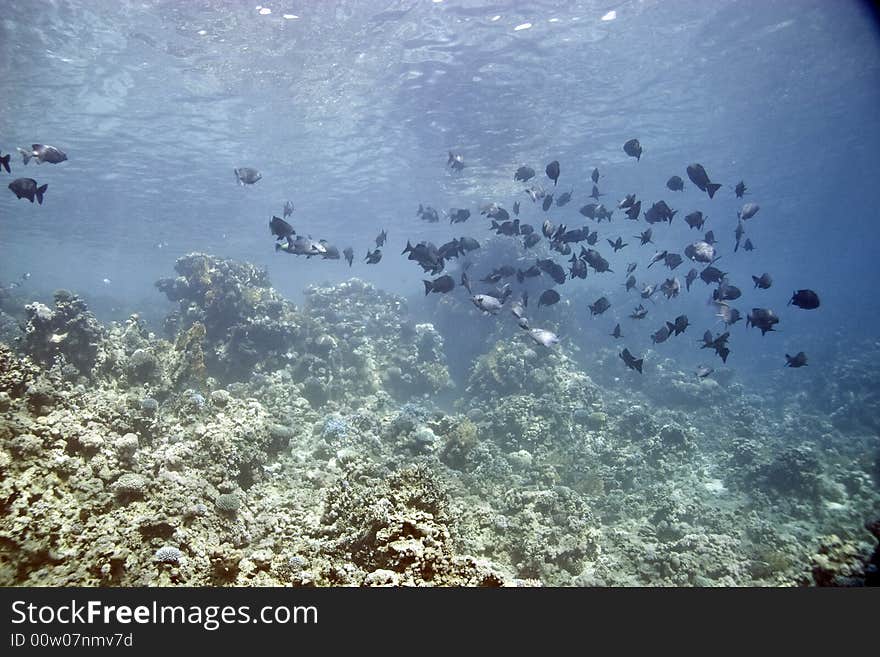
(439, 293)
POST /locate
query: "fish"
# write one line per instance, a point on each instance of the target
(373, 257)
(459, 215)
(680, 324)
(531, 240)
(348, 252)
(535, 192)
(700, 251)
(599, 306)
(718, 343)
(762, 318)
(645, 237)
(618, 244)
(440, 285)
(631, 361)
(595, 193)
(726, 292)
(633, 211)
(631, 267)
(806, 299)
(563, 198)
(662, 334)
(494, 211)
(455, 161)
(247, 176)
(798, 360)
(740, 189)
(524, 174)
(616, 333)
(552, 269)
(748, 246)
(728, 315)
(543, 337)
(675, 184)
(548, 298)
(672, 260)
(633, 148)
(670, 288)
(603, 213)
(302, 245)
(595, 260)
(738, 233)
(467, 244)
(330, 252)
(589, 210)
(548, 202)
(659, 212)
(552, 171)
(509, 228)
(288, 209)
(381, 237)
(700, 178)
(763, 281)
(709, 238)
(28, 188)
(42, 153)
(748, 211)
(702, 371)
(594, 176)
(280, 228)
(449, 250)
(626, 202)
(427, 213)
(4, 162)
(695, 220)
(531, 272)
(630, 283)
(487, 303)
(640, 312)
(648, 291)
(712, 274)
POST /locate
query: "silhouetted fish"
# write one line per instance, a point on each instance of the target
(798, 360)
(524, 174)
(700, 178)
(806, 299)
(675, 184)
(633, 148)
(552, 171)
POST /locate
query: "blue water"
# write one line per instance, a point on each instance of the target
(348, 109)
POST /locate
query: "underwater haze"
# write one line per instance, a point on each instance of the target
(219, 411)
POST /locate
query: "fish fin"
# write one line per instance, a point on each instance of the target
(4, 162)
(711, 188)
(638, 364)
(40, 191)
(25, 156)
(428, 287)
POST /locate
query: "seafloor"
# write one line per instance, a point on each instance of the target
(264, 444)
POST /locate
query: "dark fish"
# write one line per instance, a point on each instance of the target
(695, 220)
(626, 202)
(670, 288)
(726, 292)
(634, 149)
(302, 245)
(288, 209)
(516, 208)
(495, 211)
(592, 238)
(548, 298)
(648, 291)
(458, 215)
(455, 161)
(552, 171)
(531, 240)
(748, 246)
(740, 189)
(563, 199)
(763, 281)
(43, 153)
(660, 255)
(718, 343)
(640, 312)
(599, 306)
(675, 184)
(700, 178)
(645, 237)
(508, 228)
(576, 235)
(4, 162)
(748, 211)
(672, 260)
(578, 268)
(348, 252)
(330, 252)
(589, 210)
(616, 333)
(762, 318)
(595, 260)
(247, 176)
(531, 272)
(617, 244)
(659, 212)
(680, 324)
(427, 213)
(630, 283)
(373, 257)
(467, 244)
(440, 285)
(381, 237)
(553, 270)
(631, 267)
(633, 211)
(603, 213)
(709, 238)
(548, 202)
(595, 175)
(798, 360)
(662, 334)
(27, 188)
(535, 192)
(712, 274)
(524, 174)
(738, 233)
(631, 361)
(449, 250)
(280, 228)
(806, 299)
(595, 193)
(728, 315)
(690, 278)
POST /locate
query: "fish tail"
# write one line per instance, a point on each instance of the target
(428, 287)
(711, 188)
(638, 364)
(40, 191)
(277, 246)
(4, 162)
(25, 155)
